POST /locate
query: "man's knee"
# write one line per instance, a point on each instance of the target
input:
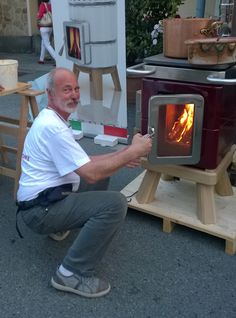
(119, 204)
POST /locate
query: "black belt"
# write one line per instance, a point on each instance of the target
(26, 205)
(44, 198)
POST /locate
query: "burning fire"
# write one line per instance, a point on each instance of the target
(182, 128)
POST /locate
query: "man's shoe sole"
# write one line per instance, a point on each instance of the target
(76, 291)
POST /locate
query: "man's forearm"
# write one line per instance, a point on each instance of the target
(106, 165)
(107, 155)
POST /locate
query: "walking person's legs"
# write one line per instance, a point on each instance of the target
(43, 49)
(45, 35)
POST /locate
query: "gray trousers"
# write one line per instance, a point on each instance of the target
(99, 214)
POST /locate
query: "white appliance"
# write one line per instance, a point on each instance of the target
(89, 38)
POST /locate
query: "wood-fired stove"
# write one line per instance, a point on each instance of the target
(175, 92)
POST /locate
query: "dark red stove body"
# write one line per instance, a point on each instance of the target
(219, 122)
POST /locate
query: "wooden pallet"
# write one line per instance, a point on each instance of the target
(176, 203)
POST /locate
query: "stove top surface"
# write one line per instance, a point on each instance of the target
(161, 60)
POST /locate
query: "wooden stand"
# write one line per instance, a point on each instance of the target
(95, 77)
(17, 128)
(205, 216)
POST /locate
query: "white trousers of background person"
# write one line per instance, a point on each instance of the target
(45, 43)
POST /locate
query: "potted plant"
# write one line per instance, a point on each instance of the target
(142, 37)
(141, 18)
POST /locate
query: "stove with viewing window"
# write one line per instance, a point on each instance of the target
(190, 109)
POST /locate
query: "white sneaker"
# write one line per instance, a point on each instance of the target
(59, 236)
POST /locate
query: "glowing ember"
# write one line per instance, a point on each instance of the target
(182, 128)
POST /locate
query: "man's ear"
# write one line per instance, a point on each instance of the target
(50, 92)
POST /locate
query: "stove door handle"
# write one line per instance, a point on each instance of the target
(140, 70)
(212, 78)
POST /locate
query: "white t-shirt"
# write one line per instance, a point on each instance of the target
(50, 156)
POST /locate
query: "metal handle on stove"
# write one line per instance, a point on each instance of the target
(140, 70)
(212, 78)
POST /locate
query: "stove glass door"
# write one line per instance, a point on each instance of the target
(176, 121)
(77, 46)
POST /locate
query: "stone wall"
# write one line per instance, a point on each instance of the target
(13, 18)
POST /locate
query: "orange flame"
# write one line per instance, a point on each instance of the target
(182, 128)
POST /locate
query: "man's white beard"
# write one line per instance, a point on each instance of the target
(69, 110)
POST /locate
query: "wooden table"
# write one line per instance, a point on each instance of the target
(17, 128)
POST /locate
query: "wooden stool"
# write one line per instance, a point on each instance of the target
(95, 77)
(18, 128)
(207, 181)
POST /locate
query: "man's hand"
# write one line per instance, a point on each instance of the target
(142, 145)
